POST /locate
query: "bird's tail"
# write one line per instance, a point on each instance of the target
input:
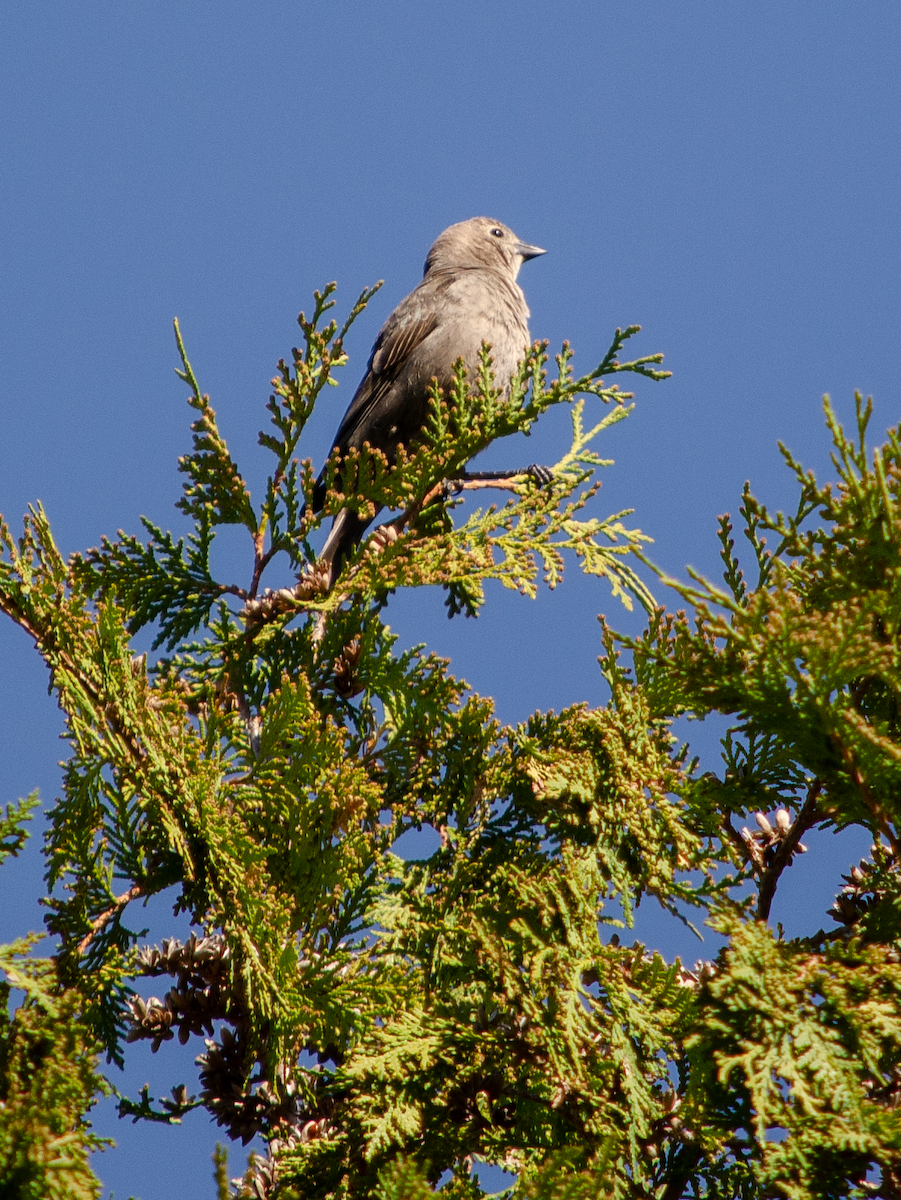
(347, 529)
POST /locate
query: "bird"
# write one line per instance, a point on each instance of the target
(468, 295)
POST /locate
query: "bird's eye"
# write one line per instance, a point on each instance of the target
(496, 232)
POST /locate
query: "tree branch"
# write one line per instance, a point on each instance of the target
(97, 924)
(805, 819)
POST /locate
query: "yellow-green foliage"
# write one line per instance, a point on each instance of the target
(48, 1082)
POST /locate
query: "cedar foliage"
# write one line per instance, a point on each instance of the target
(384, 1024)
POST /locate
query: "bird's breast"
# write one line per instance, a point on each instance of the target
(486, 310)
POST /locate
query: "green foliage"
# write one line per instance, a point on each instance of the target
(13, 833)
(48, 1082)
(795, 1058)
(386, 1023)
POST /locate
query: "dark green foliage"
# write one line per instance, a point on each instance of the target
(386, 1023)
(13, 833)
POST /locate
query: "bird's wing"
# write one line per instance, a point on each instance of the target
(404, 330)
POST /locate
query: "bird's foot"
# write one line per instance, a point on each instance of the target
(540, 475)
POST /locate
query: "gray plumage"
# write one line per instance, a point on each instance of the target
(468, 295)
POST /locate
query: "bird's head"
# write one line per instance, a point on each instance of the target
(480, 243)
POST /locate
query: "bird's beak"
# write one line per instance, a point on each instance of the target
(526, 251)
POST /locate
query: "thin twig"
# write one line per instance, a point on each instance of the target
(866, 796)
(504, 482)
(97, 924)
(737, 840)
(786, 848)
(465, 483)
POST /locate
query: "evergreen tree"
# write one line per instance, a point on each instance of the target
(386, 1024)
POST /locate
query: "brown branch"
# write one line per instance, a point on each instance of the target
(261, 559)
(504, 482)
(97, 924)
(732, 835)
(464, 483)
(866, 796)
(806, 818)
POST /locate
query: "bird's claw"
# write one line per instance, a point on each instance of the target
(540, 475)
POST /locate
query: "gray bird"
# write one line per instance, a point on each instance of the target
(468, 295)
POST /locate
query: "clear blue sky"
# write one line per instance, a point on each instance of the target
(725, 175)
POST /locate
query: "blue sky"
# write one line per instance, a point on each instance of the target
(725, 175)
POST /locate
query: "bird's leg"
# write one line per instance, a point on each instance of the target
(471, 480)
